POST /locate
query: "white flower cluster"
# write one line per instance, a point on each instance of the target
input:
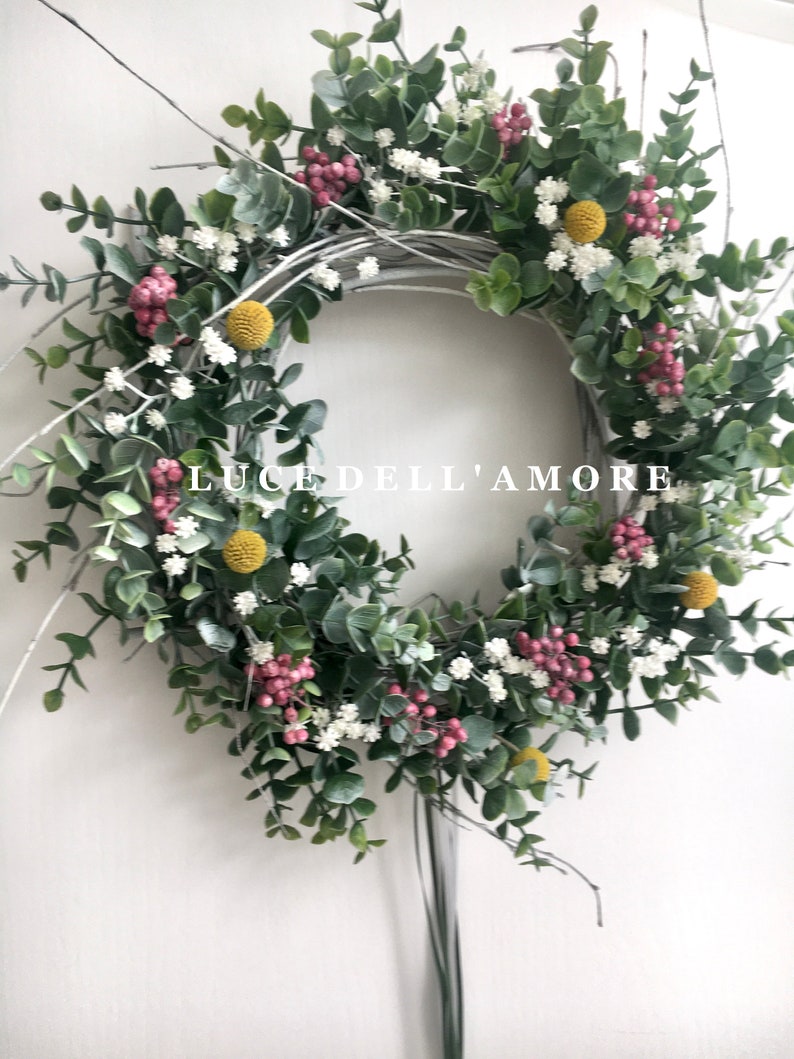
(616, 570)
(473, 78)
(346, 725)
(413, 164)
(115, 423)
(262, 651)
(335, 135)
(384, 137)
(159, 355)
(299, 574)
(674, 494)
(325, 277)
(245, 603)
(460, 668)
(155, 419)
(680, 257)
(654, 663)
(168, 246)
(379, 191)
(217, 351)
(369, 267)
(581, 259)
(182, 388)
(114, 381)
(550, 192)
(223, 246)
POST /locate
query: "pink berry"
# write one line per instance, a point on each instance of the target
(290, 737)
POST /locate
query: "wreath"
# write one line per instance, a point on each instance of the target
(278, 620)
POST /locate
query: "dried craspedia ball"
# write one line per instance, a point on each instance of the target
(249, 325)
(585, 221)
(244, 551)
(542, 764)
(701, 590)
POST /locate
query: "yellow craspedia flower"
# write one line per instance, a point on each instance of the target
(585, 221)
(249, 325)
(244, 551)
(542, 764)
(701, 590)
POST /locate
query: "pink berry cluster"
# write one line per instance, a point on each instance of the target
(666, 372)
(628, 538)
(645, 216)
(165, 477)
(327, 180)
(276, 683)
(423, 713)
(147, 299)
(511, 124)
(549, 655)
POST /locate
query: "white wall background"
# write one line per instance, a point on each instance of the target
(143, 915)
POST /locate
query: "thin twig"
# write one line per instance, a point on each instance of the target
(643, 79)
(718, 112)
(68, 587)
(47, 324)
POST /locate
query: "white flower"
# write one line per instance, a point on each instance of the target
(471, 112)
(299, 574)
(226, 263)
(371, 733)
(165, 542)
(460, 668)
(562, 241)
(182, 388)
(649, 502)
(227, 243)
(492, 101)
(159, 355)
(667, 651)
(325, 277)
(630, 634)
(320, 716)
(688, 430)
(646, 666)
(539, 679)
(114, 380)
(261, 652)
(429, 169)
(369, 267)
(548, 214)
(155, 419)
(347, 712)
(587, 259)
(612, 573)
(407, 161)
(642, 429)
(497, 692)
(590, 577)
(167, 246)
(649, 559)
(668, 405)
(384, 137)
(279, 236)
(551, 190)
(246, 233)
(514, 666)
(480, 66)
(217, 351)
(206, 237)
(335, 135)
(599, 645)
(645, 246)
(354, 729)
(175, 565)
(496, 649)
(185, 527)
(379, 192)
(327, 739)
(115, 423)
(556, 260)
(245, 603)
(452, 108)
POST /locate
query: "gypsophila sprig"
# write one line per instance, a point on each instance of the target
(279, 622)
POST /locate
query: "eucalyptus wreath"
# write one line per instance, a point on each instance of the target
(278, 620)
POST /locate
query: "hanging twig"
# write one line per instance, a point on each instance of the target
(68, 587)
(718, 112)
